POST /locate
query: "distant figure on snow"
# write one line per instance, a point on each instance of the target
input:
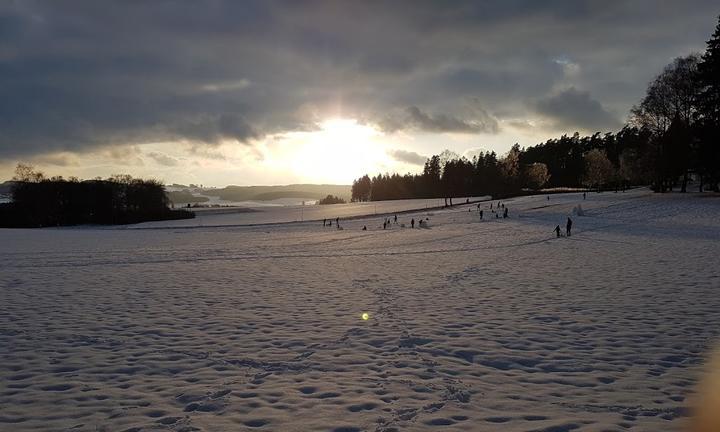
(505, 213)
(568, 227)
(395, 218)
(324, 222)
(364, 228)
(384, 224)
(337, 221)
(557, 230)
(412, 223)
(584, 195)
(481, 214)
(548, 197)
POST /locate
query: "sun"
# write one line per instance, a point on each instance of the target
(339, 152)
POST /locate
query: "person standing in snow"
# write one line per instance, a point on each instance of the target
(557, 230)
(337, 221)
(481, 214)
(412, 223)
(395, 218)
(568, 227)
(505, 213)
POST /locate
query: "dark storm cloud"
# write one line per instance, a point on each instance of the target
(573, 110)
(75, 75)
(409, 157)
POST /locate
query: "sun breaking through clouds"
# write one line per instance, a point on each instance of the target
(244, 92)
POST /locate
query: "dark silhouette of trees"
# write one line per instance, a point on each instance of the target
(668, 111)
(361, 189)
(121, 199)
(708, 113)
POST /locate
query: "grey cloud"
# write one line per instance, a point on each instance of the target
(415, 118)
(163, 159)
(409, 157)
(81, 75)
(572, 110)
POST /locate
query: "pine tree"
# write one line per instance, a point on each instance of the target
(709, 112)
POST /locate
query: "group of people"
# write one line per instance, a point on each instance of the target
(568, 228)
(497, 214)
(328, 222)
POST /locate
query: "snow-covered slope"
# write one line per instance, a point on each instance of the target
(492, 325)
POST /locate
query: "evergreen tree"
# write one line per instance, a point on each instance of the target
(708, 114)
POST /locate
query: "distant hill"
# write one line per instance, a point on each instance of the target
(267, 193)
(5, 187)
(185, 196)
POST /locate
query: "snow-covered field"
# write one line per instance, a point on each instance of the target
(273, 214)
(475, 326)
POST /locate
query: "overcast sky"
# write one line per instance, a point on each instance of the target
(244, 92)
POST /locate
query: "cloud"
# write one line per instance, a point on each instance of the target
(81, 76)
(163, 159)
(573, 109)
(415, 118)
(409, 157)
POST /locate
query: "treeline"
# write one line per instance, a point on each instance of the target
(41, 202)
(672, 136)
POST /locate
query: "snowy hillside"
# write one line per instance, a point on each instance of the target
(492, 325)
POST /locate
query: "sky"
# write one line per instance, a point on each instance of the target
(222, 92)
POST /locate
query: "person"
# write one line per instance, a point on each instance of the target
(330, 222)
(557, 230)
(481, 214)
(395, 218)
(412, 223)
(467, 200)
(364, 228)
(568, 227)
(548, 197)
(505, 213)
(490, 205)
(384, 224)
(584, 195)
(337, 222)
(324, 222)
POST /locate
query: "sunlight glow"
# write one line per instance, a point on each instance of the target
(339, 152)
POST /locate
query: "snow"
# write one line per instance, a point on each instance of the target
(266, 214)
(473, 325)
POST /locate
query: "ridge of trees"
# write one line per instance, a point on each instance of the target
(672, 135)
(38, 201)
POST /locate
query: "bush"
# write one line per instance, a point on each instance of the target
(331, 199)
